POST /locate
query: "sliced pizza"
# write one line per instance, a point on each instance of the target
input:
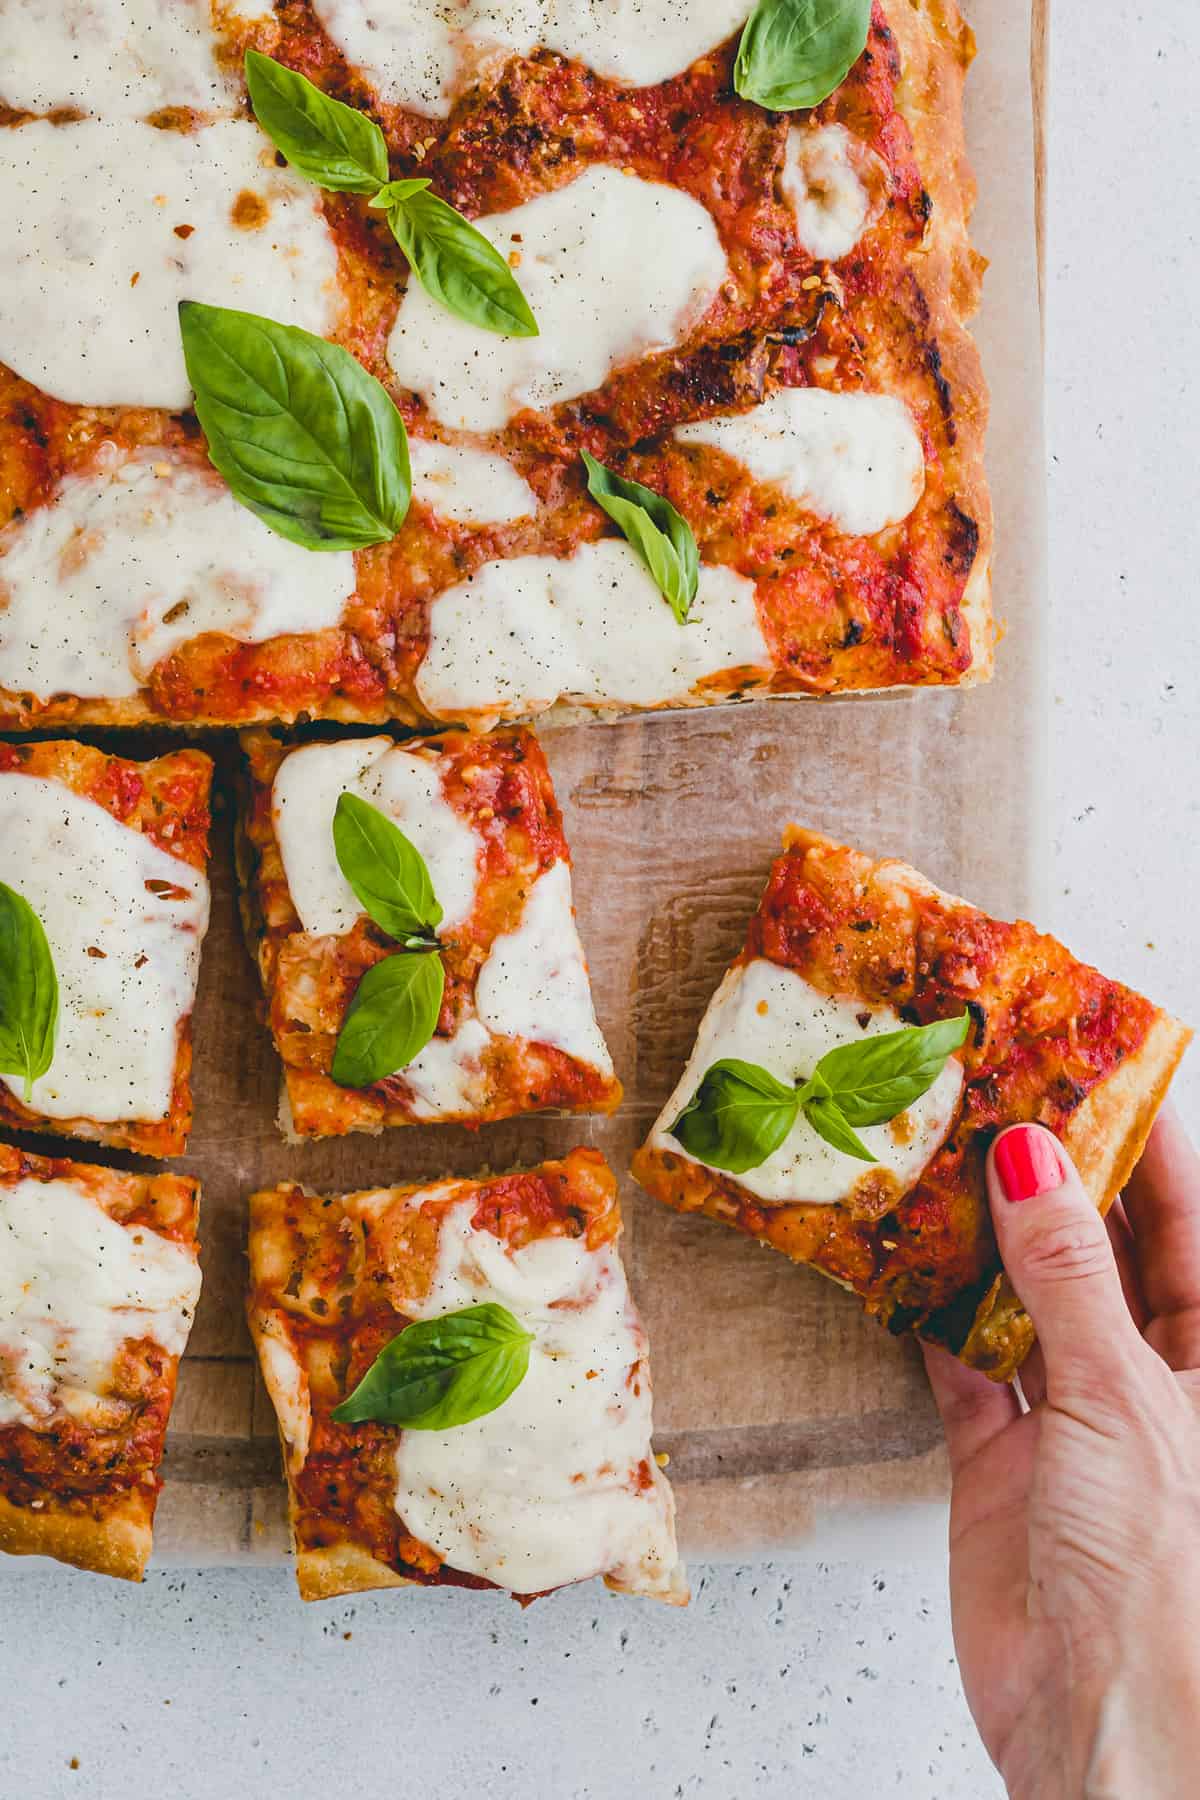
(462, 1386)
(409, 908)
(98, 1287)
(855, 1063)
(103, 908)
(755, 315)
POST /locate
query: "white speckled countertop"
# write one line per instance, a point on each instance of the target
(834, 1678)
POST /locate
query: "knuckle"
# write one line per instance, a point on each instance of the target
(1067, 1250)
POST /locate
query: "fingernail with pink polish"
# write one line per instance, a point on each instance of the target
(1027, 1163)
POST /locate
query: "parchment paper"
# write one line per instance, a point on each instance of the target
(778, 1403)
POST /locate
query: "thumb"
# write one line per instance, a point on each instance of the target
(1055, 1246)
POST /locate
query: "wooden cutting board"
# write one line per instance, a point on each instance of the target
(775, 1398)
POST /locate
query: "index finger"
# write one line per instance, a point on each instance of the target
(1162, 1203)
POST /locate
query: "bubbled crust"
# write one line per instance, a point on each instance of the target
(1052, 1040)
(909, 606)
(167, 800)
(323, 1272)
(82, 1495)
(502, 788)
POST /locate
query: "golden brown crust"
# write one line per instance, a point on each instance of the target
(68, 1506)
(501, 787)
(324, 1573)
(1052, 1040)
(936, 49)
(1105, 1138)
(167, 801)
(115, 1540)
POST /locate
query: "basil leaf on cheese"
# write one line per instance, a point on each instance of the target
(439, 1373)
(387, 873)
(306, 439)
(334, 145)
(741, 1113)
(794, 53)
(455, 264)
(738, 1115)
(829, 1122)
(873, 1080)
(391, 1018)
(661, 536)
(28, 992)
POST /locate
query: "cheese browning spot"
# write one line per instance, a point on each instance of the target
(250, 211)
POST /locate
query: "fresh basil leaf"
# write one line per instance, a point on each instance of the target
(28, 992)
(334, 145)
(827, 1120)
(794, 53)
(303, 435)
(874, 1079)
(444, 1372)
(661, 536)
(391, 1018)
(738, 1115)
(387, 873)
(455, 264)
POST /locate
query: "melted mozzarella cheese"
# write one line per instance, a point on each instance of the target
(403, 784)
(528, 631)
(600, 297)
(823, 183)
(114, 58)
(127, 564)
(99, 886)
(446, 1078)
(559, 1483)
(534, 983)
(854, 459)
(107, 225)
(423, 53)
(74, 1286)
(765, 1014)
(473, 486)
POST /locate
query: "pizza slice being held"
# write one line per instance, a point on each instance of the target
(103, 909)
(98, 1287)
(462, 1386)
(855, 1064)
(409, 908)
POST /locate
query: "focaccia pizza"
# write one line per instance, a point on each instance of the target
(98, 1288)
(842, 951)
(515, 1031)
(554, 1484)
(110, 854)
(758, 315)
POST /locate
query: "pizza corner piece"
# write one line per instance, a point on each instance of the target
(462, 1386)
(98, 1288)
(857, 1060)
(104, 904)
(409, 907)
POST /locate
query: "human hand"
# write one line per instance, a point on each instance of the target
(1075, 1526)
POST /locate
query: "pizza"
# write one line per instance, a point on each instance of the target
(98, 1288)
(515, 1030)
(110, 855)
(557, 1482)
(758, 316)
(847, 951)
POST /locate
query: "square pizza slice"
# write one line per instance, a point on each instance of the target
(855, 1063)
(98, 1288)
(494, 966)
(462, 1385)
(103, 860)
